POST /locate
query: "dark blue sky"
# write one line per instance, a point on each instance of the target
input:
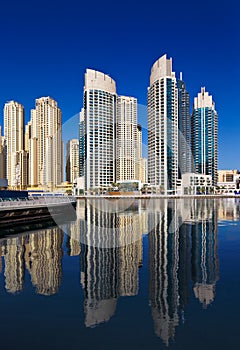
(47, 45)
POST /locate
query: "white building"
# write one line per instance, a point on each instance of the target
(2, 156)
(196, 183)
(14, 139)
(72, 161)
(163, 126)
(78, 186)
(45, 145)
(99, 130)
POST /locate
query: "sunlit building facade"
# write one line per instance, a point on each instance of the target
(204, 127)
(184, 127)
(45, 145)
(99, 130)
(14, 140)
(127, 157)
(163, 126)
(72, 161)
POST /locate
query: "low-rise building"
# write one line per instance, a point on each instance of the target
(78, 186)
(228, 181)
(197, 184)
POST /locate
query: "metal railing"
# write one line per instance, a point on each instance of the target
(36, 201)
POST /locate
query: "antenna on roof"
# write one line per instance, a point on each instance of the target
(180, 75)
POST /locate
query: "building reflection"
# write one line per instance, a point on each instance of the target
(14, 264)
(109, 269)
(229, 209)
(43, 257)
(40, 254)
(187, 250)
(73, 231)
(107, 237)
(163, 279)
(205, 264)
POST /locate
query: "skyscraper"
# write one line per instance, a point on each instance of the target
(163, 126)
(14, 136)
(72, 161)
(81, 143)
(99, 128)
(2, 156)
(184, 127)
(127, 157)
(141, 173)
(204, 135)
(45, 144)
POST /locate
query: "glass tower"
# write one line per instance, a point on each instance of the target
(204, 135)
(184, 127)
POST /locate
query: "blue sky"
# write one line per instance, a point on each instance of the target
(46, 47)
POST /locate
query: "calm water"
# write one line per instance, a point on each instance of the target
(125, 275)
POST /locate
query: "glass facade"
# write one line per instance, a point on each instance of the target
(184, 133)
(204, 136)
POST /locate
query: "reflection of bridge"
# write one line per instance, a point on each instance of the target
(31, 210)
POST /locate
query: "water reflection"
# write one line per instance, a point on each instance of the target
(174, 258)
(40, 254)
(182, 257)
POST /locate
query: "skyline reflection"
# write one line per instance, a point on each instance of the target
(181, 257)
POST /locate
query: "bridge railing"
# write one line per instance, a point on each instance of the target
(32, 201)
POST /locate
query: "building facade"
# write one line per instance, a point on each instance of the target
(72, 161)
(163, 126)
(228, 181)
(2, 156)
(14, 141)
(184, 127)
(45, 145)
(99, 130)
(81, 143)
(204, 127)
(127, 145)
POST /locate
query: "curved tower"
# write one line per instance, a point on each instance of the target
(99, 129)
(163, 126)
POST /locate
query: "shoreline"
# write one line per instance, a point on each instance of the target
(150, 196)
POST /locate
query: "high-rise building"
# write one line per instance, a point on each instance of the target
(163, 126)
(127, 157)
(141, 172)
(72, 161)
(2, 156)
(27, 135)
(184, 127)
(22, 168)
(204, 135)
(81, 143)
(14, 138)
(99, 128)
(45, 144)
